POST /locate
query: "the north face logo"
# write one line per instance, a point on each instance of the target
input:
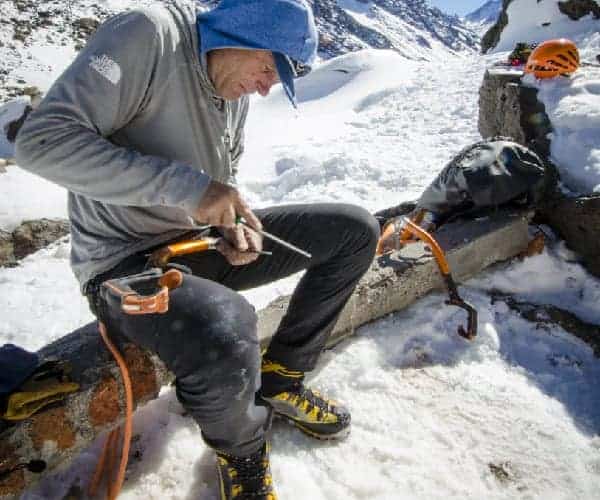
(108, 68)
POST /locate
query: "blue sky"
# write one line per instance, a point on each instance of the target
(460, 7)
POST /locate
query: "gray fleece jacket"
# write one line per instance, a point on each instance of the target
(134, 130)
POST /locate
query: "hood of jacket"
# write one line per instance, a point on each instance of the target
(284, 26)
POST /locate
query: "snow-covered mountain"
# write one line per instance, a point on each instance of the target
(36, 34)
(487, 14)
(411, 27)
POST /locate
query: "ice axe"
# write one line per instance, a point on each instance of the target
(455, 299)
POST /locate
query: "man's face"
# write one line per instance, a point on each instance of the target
(238, 72)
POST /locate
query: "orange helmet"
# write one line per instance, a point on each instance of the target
(553, 58)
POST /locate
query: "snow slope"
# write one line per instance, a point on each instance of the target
(514, 414)
(572, 104)
(481, 19)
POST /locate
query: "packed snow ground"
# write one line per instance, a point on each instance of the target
(514, 414)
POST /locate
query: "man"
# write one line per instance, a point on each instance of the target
(145, 129)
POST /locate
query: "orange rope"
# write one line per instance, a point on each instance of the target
(108, 455)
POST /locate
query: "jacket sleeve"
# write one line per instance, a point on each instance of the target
(66, 139)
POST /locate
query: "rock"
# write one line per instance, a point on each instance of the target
(576, 9)
(7, 254)
(509, 109)
(31, 236)
(577, 221)
(86, 26)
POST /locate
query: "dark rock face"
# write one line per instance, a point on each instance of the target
(509, 109)
(576, 9)
(30, 237)
(577, 220)
(492, 36)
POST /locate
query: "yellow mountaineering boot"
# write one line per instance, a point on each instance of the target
(308, 410)
(246, 478)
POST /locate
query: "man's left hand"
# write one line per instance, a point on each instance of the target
(240, 244)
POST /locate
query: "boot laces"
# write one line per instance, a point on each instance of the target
(250, 475)
(314, 399)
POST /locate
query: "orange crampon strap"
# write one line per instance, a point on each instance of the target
(396, 233)
(131, 303)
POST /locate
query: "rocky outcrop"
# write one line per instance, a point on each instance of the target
(28, 238)
(577, 221)
(576, 9)
(510, 109)
(492, 36)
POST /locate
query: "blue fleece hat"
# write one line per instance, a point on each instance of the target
(285, 27)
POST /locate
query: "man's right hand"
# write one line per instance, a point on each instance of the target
(221, 205)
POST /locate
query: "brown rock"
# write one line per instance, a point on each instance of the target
(104, 405)
(7, 249)
(142, 373)
(13, 482)
(31, 236)
(52, 425)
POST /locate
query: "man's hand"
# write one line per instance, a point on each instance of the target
(240, 245)
(221, 205)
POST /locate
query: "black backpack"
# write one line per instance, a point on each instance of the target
(483, 177)
(486, 175)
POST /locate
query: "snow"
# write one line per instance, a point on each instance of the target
(534, 22)
(514, 414)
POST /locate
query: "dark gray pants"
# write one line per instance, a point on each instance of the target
(208, 337)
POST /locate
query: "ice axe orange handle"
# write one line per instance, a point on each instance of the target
(162, 256)
(402, 234)
(471, 331)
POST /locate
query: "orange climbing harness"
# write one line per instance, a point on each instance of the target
(132, 302)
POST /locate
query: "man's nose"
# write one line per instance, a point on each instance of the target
(265, 83)
(263, 87)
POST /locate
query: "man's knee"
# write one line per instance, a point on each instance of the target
(364, 229)
(215, 334)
